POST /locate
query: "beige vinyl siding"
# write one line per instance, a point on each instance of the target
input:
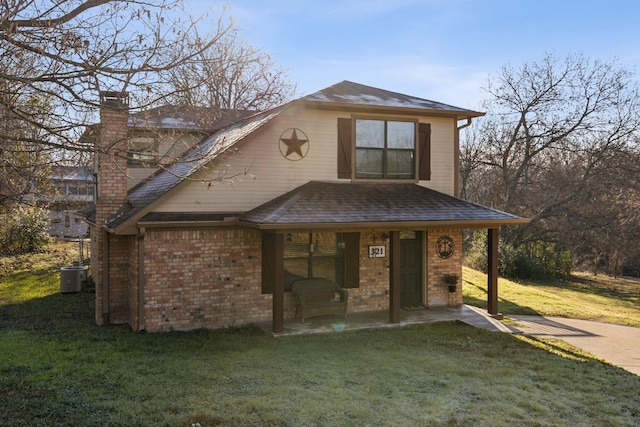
(442, 154)
(257, 172)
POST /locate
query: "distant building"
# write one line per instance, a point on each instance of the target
(73, 190)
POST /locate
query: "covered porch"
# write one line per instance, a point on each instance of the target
(355, 208)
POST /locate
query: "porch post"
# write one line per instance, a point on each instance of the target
(394, 277)
(492, 276)
(278, 285)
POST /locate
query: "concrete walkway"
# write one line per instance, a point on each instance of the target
(618, 345)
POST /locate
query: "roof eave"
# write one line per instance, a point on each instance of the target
(387, 225)
(385, 109)
(188, 224)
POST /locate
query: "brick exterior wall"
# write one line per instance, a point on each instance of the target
(133, 297)
(373, 293)
(121, 266)
(203, 278)
(95, 248)
(211, 278)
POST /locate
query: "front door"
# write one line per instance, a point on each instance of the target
(411, 269)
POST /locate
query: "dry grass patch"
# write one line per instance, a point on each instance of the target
(581, 296)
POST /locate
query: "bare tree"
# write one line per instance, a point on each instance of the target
(550, 145)
(23, 162)
(230, 74)
(73, 50)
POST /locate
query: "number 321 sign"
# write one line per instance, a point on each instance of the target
(377, 251)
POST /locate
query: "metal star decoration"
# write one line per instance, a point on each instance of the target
(294, 144)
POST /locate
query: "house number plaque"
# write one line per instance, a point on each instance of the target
(377, 251)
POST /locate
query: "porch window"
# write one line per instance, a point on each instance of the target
(309, 255)
(296, 256)
(383, 149)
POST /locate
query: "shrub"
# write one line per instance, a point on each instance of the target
(23, 230)
(537, 260)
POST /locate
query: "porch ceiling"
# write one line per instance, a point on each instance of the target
(366, 205)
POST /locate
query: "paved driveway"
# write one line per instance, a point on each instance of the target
(619, 345)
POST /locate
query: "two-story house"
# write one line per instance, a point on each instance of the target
(353, 184)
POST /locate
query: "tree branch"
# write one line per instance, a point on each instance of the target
(13, 25)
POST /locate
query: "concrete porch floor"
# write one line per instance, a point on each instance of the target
(380, 319)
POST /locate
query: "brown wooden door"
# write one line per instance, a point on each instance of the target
(411, 271)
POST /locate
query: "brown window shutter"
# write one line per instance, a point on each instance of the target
(272, 261)
(344, 148)
(352, 260)
(424, 151)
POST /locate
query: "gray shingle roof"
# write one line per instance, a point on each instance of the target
(349, 204)
(356, 94)
(187, 117)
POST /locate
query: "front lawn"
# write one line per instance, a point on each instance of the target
(58, 368)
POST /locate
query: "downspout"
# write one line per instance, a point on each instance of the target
(456, 155)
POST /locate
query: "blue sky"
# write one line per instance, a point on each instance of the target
(443, 50)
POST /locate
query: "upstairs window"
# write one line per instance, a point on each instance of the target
(385, 149)
(373, 149)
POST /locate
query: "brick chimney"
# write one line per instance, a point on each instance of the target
(112, 154)
(111, 195)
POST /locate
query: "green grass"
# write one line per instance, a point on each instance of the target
(581, 296)
(58, 368)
